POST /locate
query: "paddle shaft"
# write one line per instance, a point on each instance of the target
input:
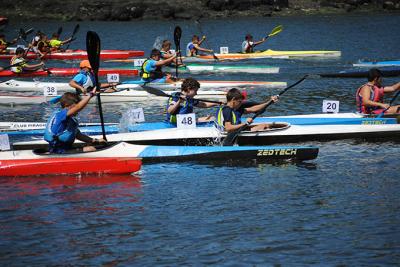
(177, 40)
(76, 29)
(231, 137)
(390, 104)
(93, 50)
(202, 34)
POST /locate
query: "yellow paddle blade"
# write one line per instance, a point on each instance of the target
(276, 30)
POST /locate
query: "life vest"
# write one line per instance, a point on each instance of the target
(61, 139)
(43, 46)
(89, 79)
(3, 44)
(376, 96)
(18, 68)
(184, 108)
(54, 43)
(152, 75)
(249, 44)
(191, 50)
(221, 120)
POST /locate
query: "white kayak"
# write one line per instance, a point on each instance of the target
(280, 133)
(218, 68)
(38, 86)
(114, 97)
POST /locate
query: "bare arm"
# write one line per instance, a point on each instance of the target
(78, 107)
(259, 42)
(392, 88)
(203, 49)
(259, 107)
(165, 61)
(206, 104)
(75, 85)
(174, 106)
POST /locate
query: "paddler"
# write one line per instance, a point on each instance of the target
(167, 53)
(369, 97)
(84, 80)
(248, 43)
(151, 70)
(55, 42)
(183, 102)
(22, 66)
(39, 44)
(228, 116)
(62, 127)
(193, 48)
(4, 44)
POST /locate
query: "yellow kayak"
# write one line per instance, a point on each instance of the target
(274, 54)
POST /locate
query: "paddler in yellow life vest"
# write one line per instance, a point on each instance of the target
(183, 102)
(193, 48)
(55, 43)
(229, 115)
(151, 70)
(4, 44)
(167, 53)
(23, 67)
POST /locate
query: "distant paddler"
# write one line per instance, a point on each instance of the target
(4, 44)
(369, 97)
(183, 102)
(249, 44)
(84, 80)
(151, 69)
(40, 44)
(167, 53)
(20, 64)
(193, 48)
(55, 43)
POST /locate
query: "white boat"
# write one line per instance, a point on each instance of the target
(38, 86)
(280, 133)
(114, 97)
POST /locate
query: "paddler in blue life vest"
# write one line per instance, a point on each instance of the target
(4, 44)
(369, 97)
(183, 102)
(248, 43)
(229, 115)
(151, 70)
(193, 48)
(22, 66)
(84, 80)
(167, 53)
(55, 42)
(62, 127)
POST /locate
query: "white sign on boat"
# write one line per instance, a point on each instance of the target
(330, 106)
(186, 121)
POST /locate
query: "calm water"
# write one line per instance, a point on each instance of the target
(340, 209)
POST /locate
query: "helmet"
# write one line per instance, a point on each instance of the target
(85, 64)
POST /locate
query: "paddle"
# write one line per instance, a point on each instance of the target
(231, 137)
(390, 104)
(76, 29)
(275, 31)
(177, 40)
(24, 34)
(158, 92)
(10, 66)
(59, 31)
(93, 50)
(201, 32)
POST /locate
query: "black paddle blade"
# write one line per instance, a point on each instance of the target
(177, 36)
(93, 50)
(76, 29)
(154, 91)
(232, 136)
(59, 31)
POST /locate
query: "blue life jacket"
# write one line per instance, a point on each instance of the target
(184, 108)
(61, 138)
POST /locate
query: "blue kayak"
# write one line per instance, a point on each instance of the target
(374, 64)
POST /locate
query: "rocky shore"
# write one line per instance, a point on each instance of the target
(184, 9)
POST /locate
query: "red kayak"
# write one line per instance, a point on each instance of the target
(70, 166)
(81, 54)
(67, 72)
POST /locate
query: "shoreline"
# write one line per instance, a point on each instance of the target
(132, 10)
